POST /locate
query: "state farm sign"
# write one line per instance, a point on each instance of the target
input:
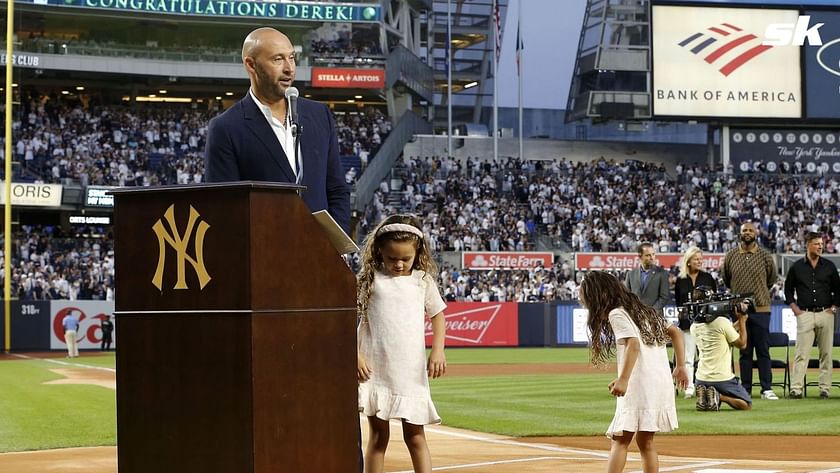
(505, 259)
(348, 78)
(622, 261)
(472, 324)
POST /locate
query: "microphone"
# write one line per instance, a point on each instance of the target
(291, 101)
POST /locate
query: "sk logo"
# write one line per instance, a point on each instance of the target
(180, 243)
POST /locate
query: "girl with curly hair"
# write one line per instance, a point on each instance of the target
(397, 290)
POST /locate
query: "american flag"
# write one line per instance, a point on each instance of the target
(497, 15)
(520, 45)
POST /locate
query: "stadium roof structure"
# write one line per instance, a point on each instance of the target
(471, 48)
(129, 48)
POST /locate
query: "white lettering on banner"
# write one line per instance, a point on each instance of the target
(626, 261)
(793, 34)
(811, 152)
(468, 325)
(82, 219)
(99, 197)
(463, 324)
(22, 60)
(488, 260)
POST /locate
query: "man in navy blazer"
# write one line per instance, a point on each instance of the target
(253, 141)
(648, 281)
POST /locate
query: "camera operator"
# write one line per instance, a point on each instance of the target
(691, 277)
(715, 380)
(815, 283)
(749, 268)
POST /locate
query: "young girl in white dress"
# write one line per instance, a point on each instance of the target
(397, 290)
(643, 389)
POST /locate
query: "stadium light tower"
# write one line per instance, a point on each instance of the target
(612, 70)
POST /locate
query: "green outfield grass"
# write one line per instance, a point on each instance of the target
(496, 356)
(35, 416)
(580, 404)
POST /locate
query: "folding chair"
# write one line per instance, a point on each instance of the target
(779, 339)
(814, 363)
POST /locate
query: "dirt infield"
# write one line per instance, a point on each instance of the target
(461, 450)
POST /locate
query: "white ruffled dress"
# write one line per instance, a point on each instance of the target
(648, 405)
(394, 346)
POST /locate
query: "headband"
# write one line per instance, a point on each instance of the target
(400, 227)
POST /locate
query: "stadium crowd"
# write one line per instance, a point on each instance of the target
(360, 134)
(56, 139)
(51, 263)
(474, 204)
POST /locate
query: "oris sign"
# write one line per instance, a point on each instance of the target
(506, 260)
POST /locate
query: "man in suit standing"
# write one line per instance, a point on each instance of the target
(648, 281)
(253, 139)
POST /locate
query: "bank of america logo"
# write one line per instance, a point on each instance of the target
(723, 39)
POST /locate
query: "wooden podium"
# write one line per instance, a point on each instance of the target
(237, 325)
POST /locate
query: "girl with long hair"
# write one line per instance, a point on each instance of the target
(620, 324)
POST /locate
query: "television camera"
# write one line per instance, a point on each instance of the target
(705, 305)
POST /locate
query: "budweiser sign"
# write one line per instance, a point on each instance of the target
(505, 260)
(348, 78)
(471, 324)
(621, 261)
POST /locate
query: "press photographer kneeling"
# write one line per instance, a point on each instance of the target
(719, 322)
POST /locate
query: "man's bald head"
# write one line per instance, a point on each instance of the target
(256, 39)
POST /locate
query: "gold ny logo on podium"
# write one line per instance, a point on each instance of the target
(180, 243)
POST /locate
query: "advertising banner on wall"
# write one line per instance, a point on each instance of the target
(627, 261)
(298, 10)
(90, 315)
(32, 194)
(30, 323)
(348, 78)
(822, 67)
(804, 150)
(98, 196)
(479, 324)
(506, 260)
(712, 62)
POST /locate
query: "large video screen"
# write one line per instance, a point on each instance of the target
(822, 67)
(711, 62)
